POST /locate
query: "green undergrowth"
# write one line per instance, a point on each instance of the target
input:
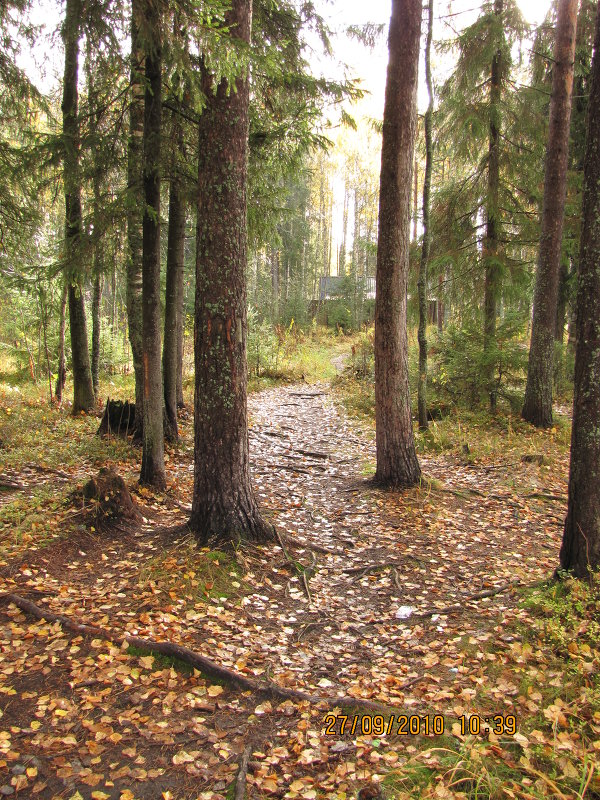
(193, 574)
(295, 356)
(161, 661)
(545, 671)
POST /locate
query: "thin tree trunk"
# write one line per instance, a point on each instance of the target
(490, 246)
(96, 325)
(397, 462)
(580, 551)
(153, 462)
(422, 282)
(537, 407)
(440, 305)
(62, 366)
(135, 210)
(561, 308)
(44, 321)
(415, 205)
(223, 505)
(275, 283)
(83, 390)
(175, 256)
(180, 328)
(95, 116)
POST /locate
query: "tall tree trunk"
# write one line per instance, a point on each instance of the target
(224, 505)
(175, 257)
(422, 282)
(96, 325)
(83, 390)
(490, 245)
(95, 117)
(397, 462)
(440, 305)
(561, 307)
(135, 209)
(153, 461)
(343, 245)
(180, 333)
(62, 366)
(415, 205)
(537, 407)
(580, 549)
(275, 283)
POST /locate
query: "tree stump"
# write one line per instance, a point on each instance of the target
(109, 498)
(118, 418)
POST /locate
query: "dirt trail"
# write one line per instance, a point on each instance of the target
(370, 556)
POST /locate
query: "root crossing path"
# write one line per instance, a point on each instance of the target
(384, 596)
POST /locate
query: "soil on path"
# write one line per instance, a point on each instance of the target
(345, 618)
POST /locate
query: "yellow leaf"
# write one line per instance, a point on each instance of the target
(35, 725)
(98, 795)
(215, 691)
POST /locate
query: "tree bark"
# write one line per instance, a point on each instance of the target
(135, 210)
(224, 505)
(83, 390)
(95, 117)
(153, 462)
(397, 462)
(180, 332)
(537, 407)
(175, 258)
(62, 366)
(493, 278)
(422, 282)
(580, 549)
(275, 283)
(96, 326)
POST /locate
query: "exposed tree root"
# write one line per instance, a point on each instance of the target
(469, 598)
(209, 668)
(240, 781)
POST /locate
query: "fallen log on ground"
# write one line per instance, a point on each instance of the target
(205, 665)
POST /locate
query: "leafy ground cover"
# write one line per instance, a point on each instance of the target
(434, 603)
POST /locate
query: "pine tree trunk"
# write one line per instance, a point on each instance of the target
(135, 210)
(561, 308)
(537, 407)
(96, 324)
(580, 549)
(83, 390)
(397, 462)
(175, 257)
(223, 506)
(492, 284)
(62, 366)
(422, 282)
(153, 463)
(180, 330)
(98, 267)
(275, 284)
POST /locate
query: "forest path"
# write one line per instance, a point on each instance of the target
(392, 554)
(84, 716)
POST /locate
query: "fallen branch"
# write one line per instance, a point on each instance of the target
(240, 781)
(10, 483)
(205, 665)
(556, 498)
(451, 609)
(468, 599)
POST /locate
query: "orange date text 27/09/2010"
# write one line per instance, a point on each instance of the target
(416, 725)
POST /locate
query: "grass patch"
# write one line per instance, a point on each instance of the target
(545, 672)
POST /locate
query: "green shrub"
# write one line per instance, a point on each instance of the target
(459, 366)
